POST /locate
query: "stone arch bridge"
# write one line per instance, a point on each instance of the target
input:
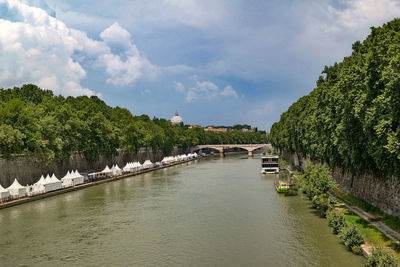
(221, 148)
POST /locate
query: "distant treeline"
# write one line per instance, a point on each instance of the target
(35, 122)
(352, 118)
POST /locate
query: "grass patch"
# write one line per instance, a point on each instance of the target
(369, 232)
(391, 221)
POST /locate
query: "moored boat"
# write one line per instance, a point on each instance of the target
(270, 164)
(281, 186)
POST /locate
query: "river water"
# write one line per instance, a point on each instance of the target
(213, 212)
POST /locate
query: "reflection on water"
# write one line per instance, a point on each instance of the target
(214, 212)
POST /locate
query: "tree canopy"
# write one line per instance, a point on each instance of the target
(352, 118)
(48, 127)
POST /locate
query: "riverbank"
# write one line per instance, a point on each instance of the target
(359, 230)
(28, 199)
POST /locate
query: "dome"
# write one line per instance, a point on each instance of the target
(176, 119)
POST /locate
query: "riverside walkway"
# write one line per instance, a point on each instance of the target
(373, 220)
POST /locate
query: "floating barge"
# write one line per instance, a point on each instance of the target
(270, 164)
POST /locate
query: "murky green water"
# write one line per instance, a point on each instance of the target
(215, 212)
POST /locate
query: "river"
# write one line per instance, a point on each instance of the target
(213, 212)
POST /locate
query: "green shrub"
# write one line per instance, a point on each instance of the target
(380, 258)
(317, 180)
(351, 237)
(357, 250)
(321, 203)
(336, 220)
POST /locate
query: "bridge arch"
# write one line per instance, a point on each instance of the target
(221, 148)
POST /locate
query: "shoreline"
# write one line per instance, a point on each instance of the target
(24, 200)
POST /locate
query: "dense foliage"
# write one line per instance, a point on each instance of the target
(352, 118)
(317, 184)
(317, 180)
(380, 258)
(48, 127)
(351, 238)
(336, 220)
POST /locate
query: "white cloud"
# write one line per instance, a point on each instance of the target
(179, 87)
(208, 90)
(365, 13)
(38, 48)
(128, 67)
(228, 91)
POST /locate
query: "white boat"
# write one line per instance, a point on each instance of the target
(270, 164)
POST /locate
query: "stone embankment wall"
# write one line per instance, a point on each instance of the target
(382, 192)
(28, 170)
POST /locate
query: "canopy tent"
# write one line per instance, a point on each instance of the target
(4, 194)
(116, 170)
(55, 183)
(79, 178)
(72, 178)
(67, 180)
(16, 190)
(107, 171)
(133, 166)
(39, 187)
(127, 167)
(168, 160)
(147, 164)
(49, 184)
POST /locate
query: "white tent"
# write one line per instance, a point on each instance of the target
(16, 190)
(55, 183)
(137, 166)
(127, 167)
(79, 178)
(147, 164)
(4, 194)
(116, 170)
(39, 187)
(107, 171)
(72, 178)
(49, 184)
(168, 160)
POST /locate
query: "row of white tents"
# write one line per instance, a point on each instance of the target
(44, 185)
(73, 178)
(136, 166)
(178, 158)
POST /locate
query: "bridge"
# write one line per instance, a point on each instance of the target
(221, 148)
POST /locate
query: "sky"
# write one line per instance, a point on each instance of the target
(216, 62)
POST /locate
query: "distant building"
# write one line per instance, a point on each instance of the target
(245, 130)
(194, 126)
(212, 129)
(176, 119)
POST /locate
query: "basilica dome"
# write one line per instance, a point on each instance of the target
(176, 119)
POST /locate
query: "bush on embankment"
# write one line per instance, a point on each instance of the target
(351, 238)
(381, 258)
(336, 220)
(317, 183)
